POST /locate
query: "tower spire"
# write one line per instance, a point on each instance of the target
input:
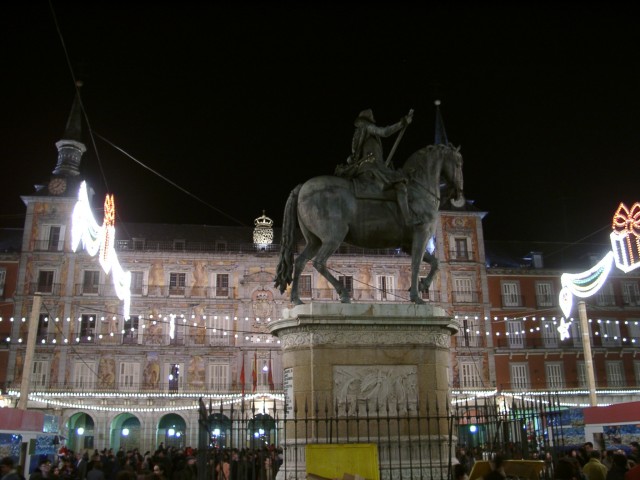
(70, 147)
(441, 133)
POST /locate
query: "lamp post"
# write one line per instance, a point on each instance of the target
(586, 348)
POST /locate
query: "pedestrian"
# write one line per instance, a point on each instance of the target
(96, 472)
(594, 469)
(42, 471)
(8, 469)
(619, 467)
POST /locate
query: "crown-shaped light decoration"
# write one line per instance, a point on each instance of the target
(263, 233)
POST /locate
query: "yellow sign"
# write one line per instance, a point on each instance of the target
(336, 460)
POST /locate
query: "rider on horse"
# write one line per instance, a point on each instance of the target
(367, 160)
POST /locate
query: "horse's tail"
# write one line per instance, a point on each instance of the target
(284, 272)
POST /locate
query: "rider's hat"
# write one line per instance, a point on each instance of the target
(366, 115)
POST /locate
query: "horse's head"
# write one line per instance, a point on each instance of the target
(452, 172)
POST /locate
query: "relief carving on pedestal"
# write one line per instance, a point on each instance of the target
(366, 337)
(389, 389)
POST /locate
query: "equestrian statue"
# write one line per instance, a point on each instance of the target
(370, 204)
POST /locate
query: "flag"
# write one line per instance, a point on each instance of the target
(242, 379)
(271, 386)
(254, 374)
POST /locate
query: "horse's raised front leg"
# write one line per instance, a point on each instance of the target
(418, 255)
(320, 264)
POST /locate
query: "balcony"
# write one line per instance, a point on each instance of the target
(464, 297)
(512, 301)
(461, 256)
(45, 289)
(546, 301)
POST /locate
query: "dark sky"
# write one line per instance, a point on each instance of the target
(238, 102)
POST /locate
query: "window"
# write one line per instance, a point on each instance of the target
(630, 293)
(468, 335)
(131, 330)
(52, 238)
(576, 334)
(615, 374)
(462, 290)
(347, 282)
(222, 285)
(555, 375)
(43, 328)
(219, 377)
(174, 376)
(305, 286)
(385, 287)
(636, 369)
(520, 376)
(91, 282)
(219, 330)
(129, 376)
(511, 294)
(610, 333)
(461, 251)
(431, 293)
(40, 374)
(3, 279)
(516, 337)
(137, 282)
(469, 375)
(86, 332)
(550, 334)
(633, 328)
(84, 375)
(581, 374)
(45, 281)
(177, 283)
(544, 294)
(605, 297)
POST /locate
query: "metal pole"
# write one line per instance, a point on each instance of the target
(27, 367)
(586, 348)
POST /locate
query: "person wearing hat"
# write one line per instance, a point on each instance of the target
(367, 158)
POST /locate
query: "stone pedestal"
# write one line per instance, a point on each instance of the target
(368, 373)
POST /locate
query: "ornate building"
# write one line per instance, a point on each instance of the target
(201, 300)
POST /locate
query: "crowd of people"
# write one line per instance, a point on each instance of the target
(584, 463)
(163, 464)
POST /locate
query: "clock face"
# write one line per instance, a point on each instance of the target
(57, 186)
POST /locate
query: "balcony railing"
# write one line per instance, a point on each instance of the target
(464, 297)
(116, 388)
(522, 341)
(546, 301)
(45, 289)
(460, 256)
(204, 339)
(512, 301)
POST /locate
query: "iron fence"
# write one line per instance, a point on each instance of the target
(413, 441)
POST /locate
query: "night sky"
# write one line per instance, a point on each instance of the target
(238, 102)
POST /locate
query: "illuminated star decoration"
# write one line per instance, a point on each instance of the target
(563, 329)
(100, 238)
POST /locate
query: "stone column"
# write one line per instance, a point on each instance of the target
(347, 362)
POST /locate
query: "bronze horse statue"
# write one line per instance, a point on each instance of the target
(329, 213)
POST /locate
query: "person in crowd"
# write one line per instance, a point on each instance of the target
(460, 472)
(8, 469)
(43, 470)
(594, 469)
(497, 469)
(158, 472)
(96, 472)
(635, 452)
(568, 468)
(82, 462)
(619, 467)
